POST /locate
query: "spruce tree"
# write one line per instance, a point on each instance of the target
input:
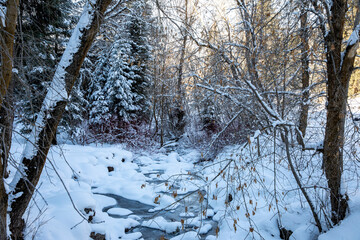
(118, 94)
(43, 30)
(138, 26)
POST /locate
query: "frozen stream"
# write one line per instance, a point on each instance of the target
(187, 215)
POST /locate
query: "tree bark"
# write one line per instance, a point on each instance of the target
(339, 68)
(7, 45)
(177, 115)
(6, 123)
(7, 36)
(305, 76)
(35, 153)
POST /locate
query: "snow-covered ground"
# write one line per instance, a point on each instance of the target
(247, 192)
(80, 182)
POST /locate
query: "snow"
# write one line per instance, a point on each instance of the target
(205, 229)
(315, 146)
(348, 229)
(211, 237)
(162, 224)
(209, 213)
(119, 211)
(89, 175)
(352, 44)
(104, 201)
(354, 37)
(151, 179)
(187, 214)
(186, 236)
(84, 171)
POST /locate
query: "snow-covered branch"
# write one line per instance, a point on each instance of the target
(35, 153)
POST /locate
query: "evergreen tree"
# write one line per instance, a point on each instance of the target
(118, 95)
(100, 111)
(120, 81)
(111, 96)
(111, 99)
(138, 26)
(42, 32)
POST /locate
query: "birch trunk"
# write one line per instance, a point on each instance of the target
(35, 153)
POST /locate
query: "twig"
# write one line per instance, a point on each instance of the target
(297, 179)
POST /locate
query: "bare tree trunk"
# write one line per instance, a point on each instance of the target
(177, 115)
(7, 45)
(34, 155)
(7, 36)
(339, 69)
(336, 111)
(305, 77)
(6, 123)
(162, 115)
(179, 92)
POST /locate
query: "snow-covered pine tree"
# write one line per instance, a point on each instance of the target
(99, 107)
(118, 87)
(118, 94)
(138, 26)
(111, 98)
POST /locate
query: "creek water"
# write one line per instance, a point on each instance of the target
(142, 212)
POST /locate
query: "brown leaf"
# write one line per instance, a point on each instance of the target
(201, 197)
